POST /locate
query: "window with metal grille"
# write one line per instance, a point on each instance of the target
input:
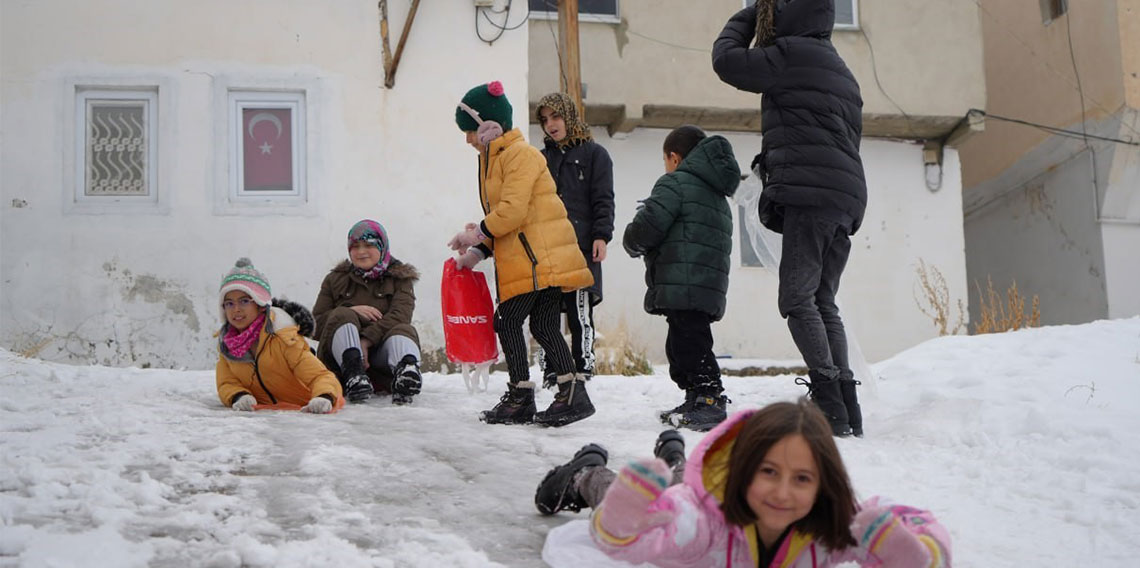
(118, 144)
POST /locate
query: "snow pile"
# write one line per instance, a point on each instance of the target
(1027, 446)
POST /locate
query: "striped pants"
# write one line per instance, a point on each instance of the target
(579, 309)
(544, 310)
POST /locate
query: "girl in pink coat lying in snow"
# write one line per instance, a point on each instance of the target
(765, 488)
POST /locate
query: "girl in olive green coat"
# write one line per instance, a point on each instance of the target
(364, 319)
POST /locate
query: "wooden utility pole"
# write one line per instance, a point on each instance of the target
(568, 47)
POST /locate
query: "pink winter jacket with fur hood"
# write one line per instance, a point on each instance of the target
(699, 537)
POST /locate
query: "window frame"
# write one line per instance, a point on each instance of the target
(606, 18)
(71, 145)
(85, 97)
(854, 25)
(239, 100)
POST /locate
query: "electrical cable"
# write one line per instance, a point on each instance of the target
(557, 51)
(1054, 130)
(875, 73)
(503, 28)
(507, 11)
(1045, 62)
(662, 42)
(1084, 126)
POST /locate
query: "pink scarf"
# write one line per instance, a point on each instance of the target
(239, 342)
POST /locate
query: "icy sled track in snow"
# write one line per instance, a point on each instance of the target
(1027, 446)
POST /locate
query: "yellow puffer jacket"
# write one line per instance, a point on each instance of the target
(533, 242)
(280, 368)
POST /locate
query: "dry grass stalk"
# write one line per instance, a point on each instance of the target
(616, 353)
(935, 301)
(998, 315)
(35, 348)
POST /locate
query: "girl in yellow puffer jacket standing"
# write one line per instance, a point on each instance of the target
(536, 256)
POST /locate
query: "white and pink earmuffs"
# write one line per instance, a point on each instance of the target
(488, 129)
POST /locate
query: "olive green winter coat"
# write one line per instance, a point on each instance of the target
(684, 231)
(393, 294)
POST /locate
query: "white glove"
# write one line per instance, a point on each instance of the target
(469, 259)
(318, 405)
(244, 403)
(468, 237)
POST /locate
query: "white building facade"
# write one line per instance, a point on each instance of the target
(147, 146)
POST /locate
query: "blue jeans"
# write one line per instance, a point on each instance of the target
(814, 255)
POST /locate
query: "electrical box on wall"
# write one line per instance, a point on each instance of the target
(484, 3)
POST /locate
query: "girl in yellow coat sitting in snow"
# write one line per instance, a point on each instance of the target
(262, 357)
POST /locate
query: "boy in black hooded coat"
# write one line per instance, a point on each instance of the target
(814, 189)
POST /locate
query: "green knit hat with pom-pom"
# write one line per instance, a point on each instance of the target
(490, 102)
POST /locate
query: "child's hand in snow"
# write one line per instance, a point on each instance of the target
(244, 403)
(318, 405)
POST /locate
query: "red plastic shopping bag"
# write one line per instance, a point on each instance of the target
(468, 315)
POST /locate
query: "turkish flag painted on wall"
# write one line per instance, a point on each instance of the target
(267, 149)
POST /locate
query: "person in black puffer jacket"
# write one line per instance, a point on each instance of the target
(814, 188)
(684, 231)
(584, 175)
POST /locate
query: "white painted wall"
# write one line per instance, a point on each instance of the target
(905, 222)
(130, 287)
(1122, 267)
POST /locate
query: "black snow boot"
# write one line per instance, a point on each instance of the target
(667, 415)
(557, 492)
(670, 447)
(571, 403)
(847, 384)
(406, 380)
(707, 411)
(357, 386)
(549, 379)
(824, 392)
(515, 407)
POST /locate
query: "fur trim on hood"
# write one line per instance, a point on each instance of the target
(301, 315)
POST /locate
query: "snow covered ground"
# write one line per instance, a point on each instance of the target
(1026, 445)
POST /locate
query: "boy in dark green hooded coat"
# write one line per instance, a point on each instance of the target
(684, 232)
